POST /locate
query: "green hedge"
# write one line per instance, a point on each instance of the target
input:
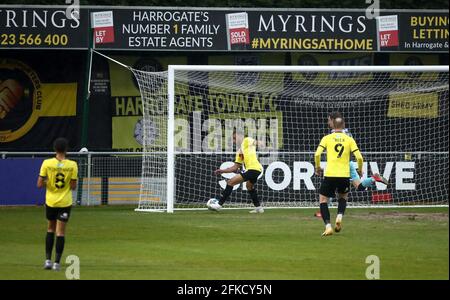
(402, 4)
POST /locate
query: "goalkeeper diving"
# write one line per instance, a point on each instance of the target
(358, 184)
(247, 160)
(355, 179)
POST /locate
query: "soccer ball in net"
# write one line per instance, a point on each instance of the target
(211, 201)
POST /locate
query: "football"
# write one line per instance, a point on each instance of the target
(211, 201)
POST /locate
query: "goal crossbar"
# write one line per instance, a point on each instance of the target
(260, 68)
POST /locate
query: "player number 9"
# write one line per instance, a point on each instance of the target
(340, 149)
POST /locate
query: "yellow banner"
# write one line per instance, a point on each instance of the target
(128, 133)
(123, 82)
(24, 98)
(412, 59)
(245, 82)
(127, 124)
(60, 99)
(332, 78)
(425, 105)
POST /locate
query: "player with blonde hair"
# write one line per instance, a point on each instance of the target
(339, 147)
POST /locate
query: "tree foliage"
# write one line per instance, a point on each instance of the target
(384, 4)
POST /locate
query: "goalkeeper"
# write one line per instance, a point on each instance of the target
(245, 157)
(360, 185)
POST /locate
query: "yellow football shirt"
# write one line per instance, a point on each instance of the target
(58, 174)
(247, 155)
(339, 147)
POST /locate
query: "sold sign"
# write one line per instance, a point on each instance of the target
(237, 29)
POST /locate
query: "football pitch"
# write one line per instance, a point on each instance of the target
(114, 242)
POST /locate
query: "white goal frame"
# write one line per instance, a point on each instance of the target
(227, 68)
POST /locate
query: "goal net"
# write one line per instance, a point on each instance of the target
(397, 115)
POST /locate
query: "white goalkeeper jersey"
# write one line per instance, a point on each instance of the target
(346, 131)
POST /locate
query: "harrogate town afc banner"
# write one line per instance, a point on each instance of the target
(127, 127)
(38, 102)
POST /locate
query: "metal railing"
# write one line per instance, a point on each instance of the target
(103, 177)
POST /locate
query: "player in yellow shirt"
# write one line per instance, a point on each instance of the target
(359, 183)
(247, 159)
(58, 176)
(339, 147)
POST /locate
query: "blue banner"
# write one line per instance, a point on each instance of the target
(18, 179)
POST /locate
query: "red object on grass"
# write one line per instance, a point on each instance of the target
(381, 197)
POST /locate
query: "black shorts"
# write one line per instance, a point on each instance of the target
(58, 213)
(331, 185)
(251, 175)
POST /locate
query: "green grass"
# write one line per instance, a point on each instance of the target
(118, 243)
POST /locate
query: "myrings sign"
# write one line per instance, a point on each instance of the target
(225, 29)
(43, 27)
(296, 30)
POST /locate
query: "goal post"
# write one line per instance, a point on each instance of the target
(397, 114)
(170, 138)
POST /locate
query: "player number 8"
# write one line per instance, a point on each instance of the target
(59, 181)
